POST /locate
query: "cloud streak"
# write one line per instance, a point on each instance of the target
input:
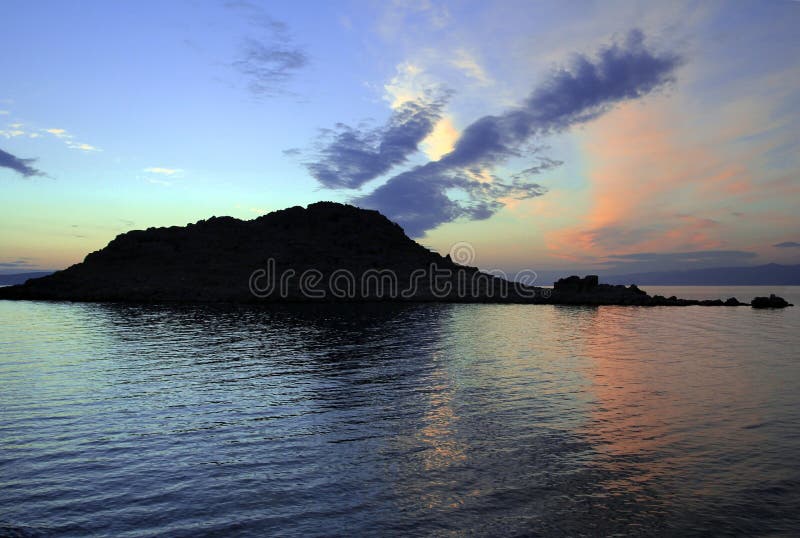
(452, 187)
(69, 140)
(22, 263)
(18, 165)
(787, 244)
(696, 256)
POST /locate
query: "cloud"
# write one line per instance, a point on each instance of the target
(4, 112)
(427, 196)
(156, 175)
(17, 264)
(445, 189)
(467, 63)
(68, 139)
(268, 61)
(164, 171)
(442, 139)
(348, 158)
(410, 83)
(13, 133)
(82, 147)
(58, 133)
(21, 166)
(787, 244)
(268, 65)
(589, 87)
(14, 130)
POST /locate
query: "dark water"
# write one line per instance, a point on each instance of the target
(388, 420)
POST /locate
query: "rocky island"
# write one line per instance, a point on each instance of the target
(325, 252)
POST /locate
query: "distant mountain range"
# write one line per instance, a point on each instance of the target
(771, 274)
(19, 278)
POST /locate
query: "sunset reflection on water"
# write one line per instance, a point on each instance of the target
(435, 419)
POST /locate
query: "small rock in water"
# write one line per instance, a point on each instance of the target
(773, 301)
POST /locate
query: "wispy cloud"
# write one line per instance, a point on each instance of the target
(18, 165)
(787, 244)
(164, 171)
(410, 83)
(469, 65)
(697, 256)
(69, 140)
(15, 130)
(269, 58)
(22, 263)
(59, 133)
(654, 261)
(12, 133)
(83, 147)
(163, 176)
(462, 183)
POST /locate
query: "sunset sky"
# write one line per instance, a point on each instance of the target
(604, 136)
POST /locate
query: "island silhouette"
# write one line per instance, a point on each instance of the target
(326, 252)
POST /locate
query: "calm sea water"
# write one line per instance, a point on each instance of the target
(408, 419)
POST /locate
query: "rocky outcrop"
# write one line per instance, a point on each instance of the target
(587, 290)
(576, 284)
(773, 301)
(325, 252)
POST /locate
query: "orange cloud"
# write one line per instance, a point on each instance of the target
(655, 185)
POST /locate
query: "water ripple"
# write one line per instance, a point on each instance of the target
(122, 420)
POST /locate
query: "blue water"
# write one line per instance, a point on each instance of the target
(400, 419)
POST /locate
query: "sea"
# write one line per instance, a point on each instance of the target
(127, 420)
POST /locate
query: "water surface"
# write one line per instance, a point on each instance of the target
(400, 419)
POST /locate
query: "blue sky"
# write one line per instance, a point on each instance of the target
(680, 137)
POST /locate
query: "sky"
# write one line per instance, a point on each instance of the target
(607, 137)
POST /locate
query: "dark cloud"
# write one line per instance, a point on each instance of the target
(271, 58)
(787, 244)
(346, 157)
(589, 87)
(21, 166)
(420, 199)
(427, 196)
(268, 65)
